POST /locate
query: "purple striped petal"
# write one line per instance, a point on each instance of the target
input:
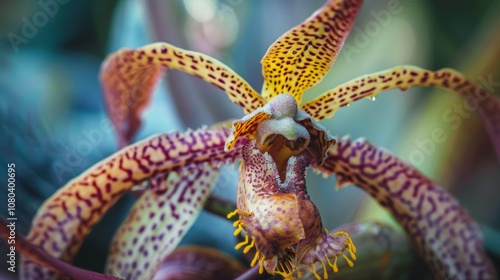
(444, 234)
(65, 219)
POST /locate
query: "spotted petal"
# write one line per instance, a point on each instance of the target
(443, 233)
(403, 77)
(44, 259)
(158, 221)
(301, 57)
(65, 219)
(128, 77)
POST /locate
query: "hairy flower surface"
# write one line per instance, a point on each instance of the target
(273, 205)
(276, 141)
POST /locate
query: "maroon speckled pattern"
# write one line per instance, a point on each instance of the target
(66, 218)
(277, 215)
(159, 220)
(443, 233)
(301, 57)
(404, 77)
(128, 77)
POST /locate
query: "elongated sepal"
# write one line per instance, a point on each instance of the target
(403, 77)
(301, 57)
(129, 75)
(159, 220)
(64, 220)
(443, 233)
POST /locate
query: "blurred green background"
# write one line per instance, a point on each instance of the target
(51, 102)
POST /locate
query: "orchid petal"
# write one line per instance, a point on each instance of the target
(403, 77)
(42, 258)
(301, 57)
(66, 218)
(247, 126)
(128, 77)
(158, 221)
(443, 233)
(320, 138)
(196, 262)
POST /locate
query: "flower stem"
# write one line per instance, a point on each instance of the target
(220, 207)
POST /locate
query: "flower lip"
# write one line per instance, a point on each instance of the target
(281, 138)
(287, 127)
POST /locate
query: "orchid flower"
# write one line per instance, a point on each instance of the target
(275, 142)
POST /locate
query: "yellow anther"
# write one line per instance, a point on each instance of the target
(255, 258)
(238, 211)
(351, 253)
(230, 215)
(325, 273)
(334, 265)
(349, 262)
(261, 264)
(239, 245)
(247, 248)
(341, 233)
(236, 223)
(286, 276)
(239, 229)
(353, 247)
(313, 270)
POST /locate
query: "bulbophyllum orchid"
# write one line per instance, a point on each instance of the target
(275, 142)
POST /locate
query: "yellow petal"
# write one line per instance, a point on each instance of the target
(477, 96)
(302, 56)
(128, 77)
(401, 77)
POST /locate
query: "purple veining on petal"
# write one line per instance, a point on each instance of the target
(443, 233)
